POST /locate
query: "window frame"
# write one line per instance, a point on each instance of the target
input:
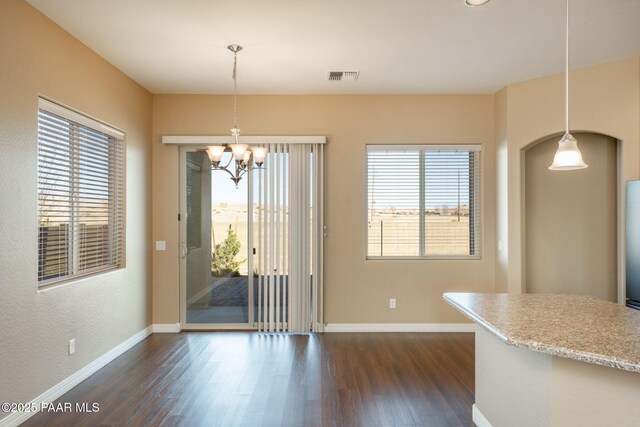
(477, 191)
(118, 206)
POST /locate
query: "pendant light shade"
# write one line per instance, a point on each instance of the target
(474, 3)
(568, 156)
(215, 153)
(259, 154)
(239, 151)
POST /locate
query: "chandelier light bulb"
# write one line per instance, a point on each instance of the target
(259, 154)
(238, 151)
(215, 153)
(247, 157)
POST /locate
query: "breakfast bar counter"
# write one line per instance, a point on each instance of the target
(553, 360)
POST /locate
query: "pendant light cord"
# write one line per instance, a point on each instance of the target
(235, 89)
(567, 74)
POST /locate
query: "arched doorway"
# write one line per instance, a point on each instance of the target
(571, 236)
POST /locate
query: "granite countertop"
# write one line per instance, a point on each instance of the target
(572, 326)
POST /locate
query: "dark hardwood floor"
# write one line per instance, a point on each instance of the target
(257, 379)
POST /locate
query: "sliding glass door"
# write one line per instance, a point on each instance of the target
(252, 253)
(218, 274)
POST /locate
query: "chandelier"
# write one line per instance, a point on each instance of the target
(242, 155)
(568, 156)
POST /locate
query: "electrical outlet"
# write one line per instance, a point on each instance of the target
(72, 346)
(392, 303)
(161, 245)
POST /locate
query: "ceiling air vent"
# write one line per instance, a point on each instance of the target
(344, 75)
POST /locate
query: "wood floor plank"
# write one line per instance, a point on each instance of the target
(257, 379)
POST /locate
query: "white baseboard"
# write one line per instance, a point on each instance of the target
(165, 328)
(479, 419)
(73, 380)
(399, 327)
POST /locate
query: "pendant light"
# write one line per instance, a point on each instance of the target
(243, 155)
(474, 3)
(568, 156)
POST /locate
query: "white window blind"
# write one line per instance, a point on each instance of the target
(424, 201)
(80, 195)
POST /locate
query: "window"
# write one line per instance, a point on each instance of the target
(423, 201)
(80, 195)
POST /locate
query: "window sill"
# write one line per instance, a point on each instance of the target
(54, 284)
(430, 257)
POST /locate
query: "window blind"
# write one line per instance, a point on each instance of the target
(194, 200)
(423, 201)
(290, 238)
(80, 196)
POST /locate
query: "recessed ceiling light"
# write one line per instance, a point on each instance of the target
(476, 2)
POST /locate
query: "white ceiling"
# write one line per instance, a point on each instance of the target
(399, 46)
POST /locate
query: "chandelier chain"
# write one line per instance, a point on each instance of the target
(235, 89)
(566, 112)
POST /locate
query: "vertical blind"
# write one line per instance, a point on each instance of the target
(289, 239)
(80, 195)
(423, 201)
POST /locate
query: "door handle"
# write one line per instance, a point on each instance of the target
(184, 250)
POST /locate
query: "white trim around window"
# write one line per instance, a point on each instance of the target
(204, 140)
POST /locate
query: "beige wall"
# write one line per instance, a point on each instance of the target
(604, 99)
(356, 290)
(37, 57)
(571, 220)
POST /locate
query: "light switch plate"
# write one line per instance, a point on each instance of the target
(161, 245)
